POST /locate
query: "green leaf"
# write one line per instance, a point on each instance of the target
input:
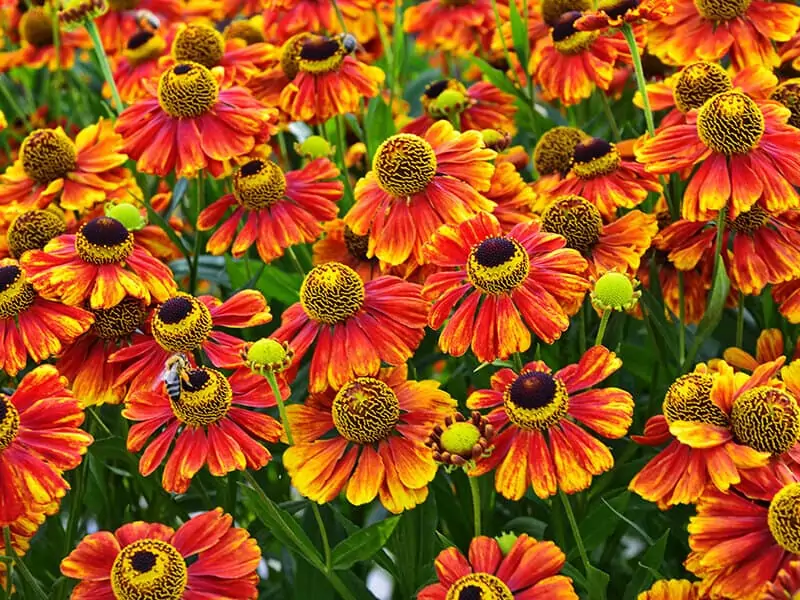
(663, 333)
(519, 34)
(600, 522)
(596, 583)
(533, 527)
(274, 283)
(379, 124)
(282, 525)
(414, 546)
(363, 544)
(498, 79)
(653, 558)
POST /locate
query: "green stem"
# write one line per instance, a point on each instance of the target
(329, 573)
(326, 547)
(197, 235)
(58, 75)
(273, 384)
(341, 147)
(612, 122)
(24, 572)
(627, 31)
(105, 67)
(740, 321)
(576, 532)
(603, 324)
(681, 317)
(475, 491)
(295, 261)
(506, 54)
(718, 243)
(582, 328)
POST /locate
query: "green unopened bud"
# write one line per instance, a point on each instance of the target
(448, 102)
(615, 291)
(127, 214)
(268, 354)
(506, 541)
(460, 438)
(495, 140)
(314, 146)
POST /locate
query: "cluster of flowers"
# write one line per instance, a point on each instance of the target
(440, 230)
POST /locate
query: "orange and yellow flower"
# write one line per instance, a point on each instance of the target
(138, 61)
(528, 569)
(460, 26)
(188, 325)
(514, 199)
(354, 326)
(278, 209)
(101, 264)
(206, 557)
(600, 174)
(707, 419)
(86, 362)
(416, 185)
(741, 540)
(201, 43)
(286, 18)
(213, 422)
(744, 30)
(40, 438)
(479, 106)
(759, 248)
(698, 82)
(508, 285)
(37, 44)
(382, 455)
(31, 326)
(568, 64)
(78, 175)
(189, 123)
(329, 81)
(341, 245)
(537, 413)
(615, 246)
(787, 295)
(745, 149)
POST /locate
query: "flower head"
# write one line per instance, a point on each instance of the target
(355, 326)
(461, 441)
(211, 421)
(615, 291)
(278, 209)
(40, 439)
(190, 122)
(501, 284)
(379, 423)
(418, 184)
(78, 174)
(205, 554)
(742, 147)
(488, 572)
(537, 414)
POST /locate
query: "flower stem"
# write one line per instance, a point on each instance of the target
(8, 97)
(341, 149)
(576, 533)
(612, 121)
(603, 324)
(195, 264)
(323, 533)
(499, 24)
(339, 16)
(10, 564)
(627, 31)
(273, 384)
(24, 572)
(475, 490)
(295, 261)
(718, 244)
(105, 67)
(740, 321)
